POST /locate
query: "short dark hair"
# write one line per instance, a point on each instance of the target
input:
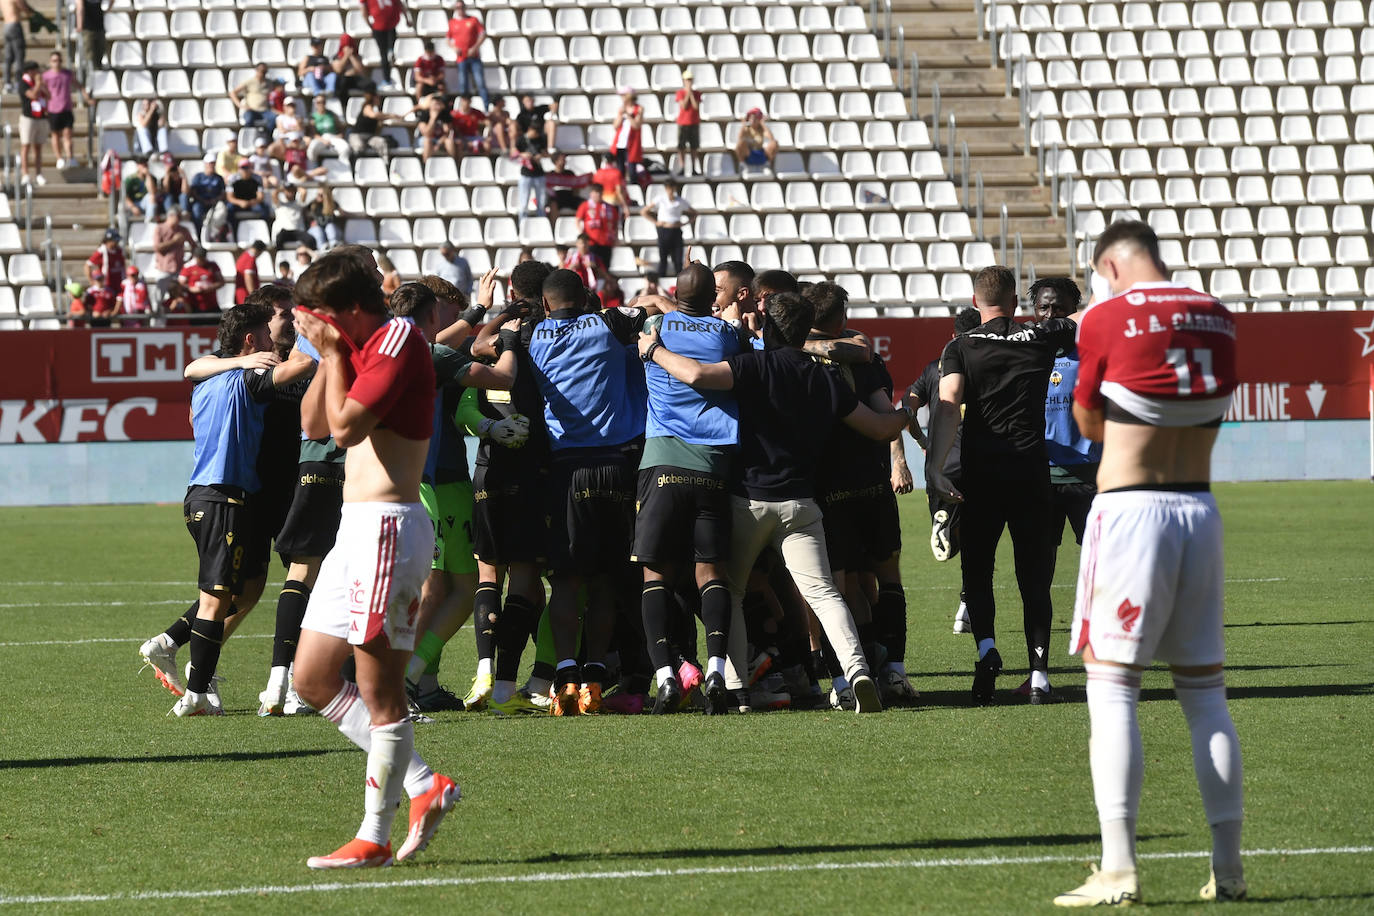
(967, 320)
(995, 286)
(829, 300)
(527, 279)
(257, 245)
(738, 271)
(270, 295)
(235, 324)
(673, 183)
(597, 187)
(564, 289)
(1069, 293)
(338, 280)
(775, 281)
(414, 300)
(1131, 231)
(792, 316)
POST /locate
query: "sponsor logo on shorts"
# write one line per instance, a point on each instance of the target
(1128, 614)
(705, 481)
(327, 480)
(356, 595)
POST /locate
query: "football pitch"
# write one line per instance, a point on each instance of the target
(107, 803)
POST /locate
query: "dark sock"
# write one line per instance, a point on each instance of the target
(290, 612)
(594, 673)
(572, 674)
(654, 602)
(832, 663)
(207, 636)
(715, 616)
(891, 615)
(486, 604)
(180, 630)
(755, 613)
(815, 665)
(868, 632)
(349, 670)
(513, 628)
(542, 670)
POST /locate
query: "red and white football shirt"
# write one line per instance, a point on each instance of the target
(395, 379)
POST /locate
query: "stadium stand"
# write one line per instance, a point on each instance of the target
(1241, 131)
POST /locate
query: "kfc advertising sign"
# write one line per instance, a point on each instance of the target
(120, 386)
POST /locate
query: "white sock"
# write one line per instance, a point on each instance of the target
(1117, 758)
(899, 667)
(276, 678)
(716, 665)
(1039, 680)
(392, 744)
(415, 668)
(483, 667)
(664, 673)
(1216, 761)
(839, 683)
(349, 713)
(501, 691)
(985, 646)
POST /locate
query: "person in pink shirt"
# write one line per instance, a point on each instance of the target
(60, 82)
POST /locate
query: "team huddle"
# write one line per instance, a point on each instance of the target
(727, 453)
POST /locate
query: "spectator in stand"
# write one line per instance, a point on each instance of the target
(756, 145)
(688, 126)
(207, 190)
(469, 127)
(14, 13)
(172, 186)
(587, 264)
(501, 127)
(382, 17)
(564, 184)
(628, 133)
(366, 134)
(177, 301)
(263, 165)
(611, 180)
(304, 258)
(246, 271)
(33, 120)
(246, 197)
(139, 199)
(227, 163)
(60, 82)
(600, 222)
(296, 159)
(288, 222)
(454, 268)
(150, 128)
(535, 124)
(250, 98)
(532, 182)
(108, 262)
(172, 246)
(288, 121)
(133, 296)
(202, 279)
(668, 212)
(315, 74)
(466, 34)
(349, 68)
(328, 133)
(97, 306)
(284, 276)
(651, 287)
(428, 72)
(90, 22)
(391, 277)
(434, 127)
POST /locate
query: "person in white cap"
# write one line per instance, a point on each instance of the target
(688, 125)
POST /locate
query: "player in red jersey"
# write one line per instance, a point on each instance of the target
(374, 392)
(1158, 365)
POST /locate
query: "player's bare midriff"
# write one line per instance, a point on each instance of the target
(384, 468)
(1135, 455)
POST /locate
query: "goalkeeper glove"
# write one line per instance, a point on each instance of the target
(510, 432)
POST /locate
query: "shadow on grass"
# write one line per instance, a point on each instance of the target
(1298, 623)
(783, 849)
(1078, 669)
(228, 757)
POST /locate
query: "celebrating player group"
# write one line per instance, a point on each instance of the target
(728, 452)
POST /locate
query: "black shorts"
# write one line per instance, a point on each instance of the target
(312, 519)
(219, 524)
(861, 526)
(567, 200)
(680, 512)
(508, 517)
(689, 137)
(1071, 502)
(60, 120)
(590, 509)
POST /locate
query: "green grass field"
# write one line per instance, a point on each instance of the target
(943, 808)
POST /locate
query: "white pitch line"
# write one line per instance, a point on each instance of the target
(559, 877)
(92, 603)
(114, 639)
(119, 584)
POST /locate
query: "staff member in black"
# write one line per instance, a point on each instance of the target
(998, 373)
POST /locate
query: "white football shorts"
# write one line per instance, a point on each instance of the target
(369, 584)
(1150, 579)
